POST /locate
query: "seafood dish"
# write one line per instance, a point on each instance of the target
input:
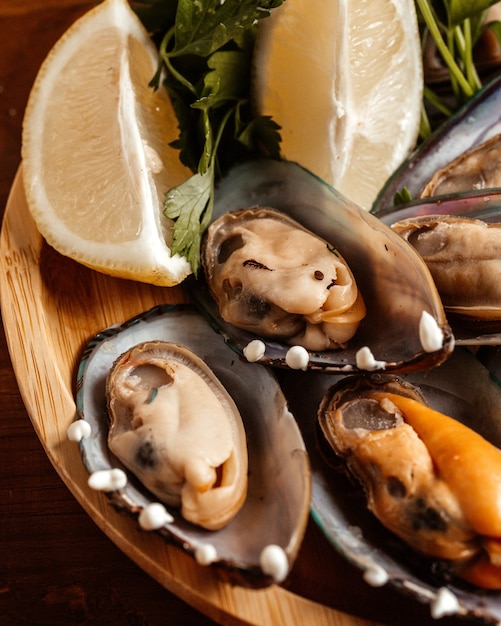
(365, 285)
(429, 479)
(461, 388)
(392, 316)
(251, 531)
(453, 217)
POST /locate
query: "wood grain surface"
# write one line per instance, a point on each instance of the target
(65, 556)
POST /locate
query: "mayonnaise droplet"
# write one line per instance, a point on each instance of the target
(297, 358)
(154, 516)
(430, 334)
(445, 603)
(366, 361)
(205, 554)
(274, 562)
(108, 480)
(79, 430)
(376, 576)
(254, 350)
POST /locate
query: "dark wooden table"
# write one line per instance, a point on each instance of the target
(56, 566)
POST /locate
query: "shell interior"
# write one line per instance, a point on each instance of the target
(277, 506)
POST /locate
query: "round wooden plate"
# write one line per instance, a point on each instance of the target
(51, 307)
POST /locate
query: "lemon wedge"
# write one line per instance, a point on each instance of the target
(344, 80)
(95, 149)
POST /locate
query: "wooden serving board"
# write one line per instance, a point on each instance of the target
(51, 307)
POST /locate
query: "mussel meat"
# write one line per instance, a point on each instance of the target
(174, 425)
(477, 168)
(273, 277)
(458, 237)
(429, 479)
(464, 258)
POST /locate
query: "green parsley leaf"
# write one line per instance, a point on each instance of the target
(186, 204)
(402, 196)
(205, 26)
(205, 49)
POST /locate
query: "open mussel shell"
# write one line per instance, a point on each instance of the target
(276, 510)
(392, 278)
(474, 124)
(482, 204)
(476, 319)
(462, 388)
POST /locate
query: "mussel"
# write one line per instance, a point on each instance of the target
(464, 258)
(453, 179)
(273, 277)
(174, 425)
(459, 239)
(454, 175)
(477, 168)
(403, 308)
(466, 142)
(431, 480)
(463, 388)
(258, 543)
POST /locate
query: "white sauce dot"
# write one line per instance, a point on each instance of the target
(274, 562)
(107, 480)
(154, 516)
(366, 361)
(430, 334)
(79, 430)
(254, 350)
(297, 358)
(376, 576)
(205, 554)
(445, 603)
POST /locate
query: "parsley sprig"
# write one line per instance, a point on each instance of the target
(205, 49)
